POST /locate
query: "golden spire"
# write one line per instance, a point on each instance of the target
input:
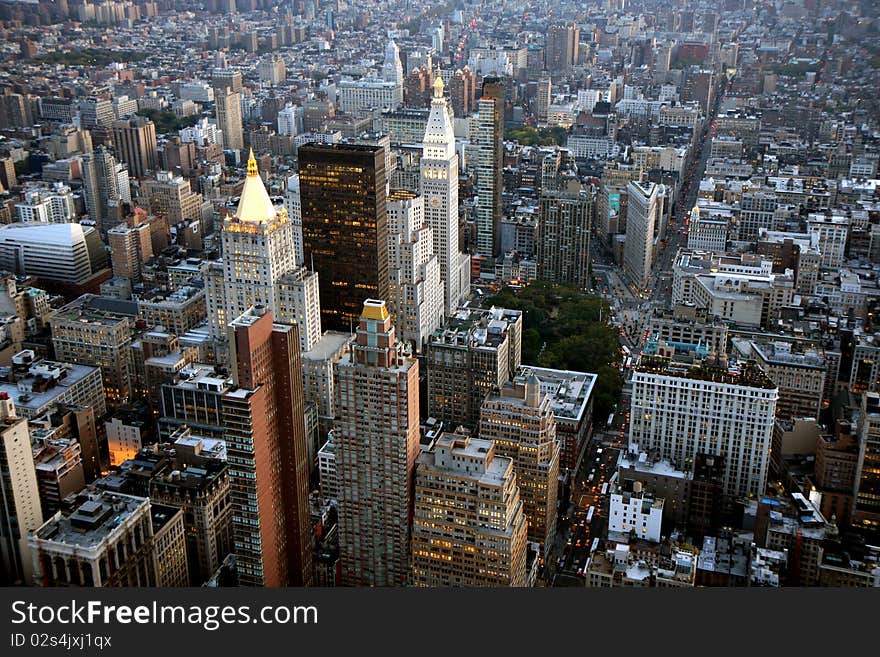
(438, 85)
(255, 203)
(252, 165)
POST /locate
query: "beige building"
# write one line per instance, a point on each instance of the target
(86, 334)
(177, 311)
(172, 197)
(469, 528)
(130, 247)
(519, 418)
(20, 509)
(102, 540)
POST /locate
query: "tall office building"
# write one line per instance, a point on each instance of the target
(266, 442)
(681, 409)
(258, 257)
(490, 165)
(134, 139)
(105, 187)
(563, 242)
(561, 49)
(95, 113)
(20, 510)
(376, 440)
(172, 197)
(345, 226)
(518, 417)
(543, 99)
(643, 204)
(294, 213)
(866, 510)
(228, 106)
(469, 528)
(439, 181)
(392, 69)
(130, 248)
(415, 298)
(463, 92)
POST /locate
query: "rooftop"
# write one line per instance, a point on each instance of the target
(93, 520)
(569, 391)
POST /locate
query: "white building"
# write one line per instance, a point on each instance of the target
(202, 133)
(197, 91)
(327, 470)
(415, 297)
(439, 183)
(832, 232)
(299, 302)
(69, 253)
(683, 409)
(123, 440)
(294, 212)
(584, 147)
(635, 511)
(358, 97)
(259, 266)
(641, 218)
(707, 232)
(54, 205)
(290, 120)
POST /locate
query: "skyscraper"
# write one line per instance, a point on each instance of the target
(469, 528)
(228, 105)
(561, 49)
(563, 242)
(490, 161)
(476, 352)
(258, 256)
(415, 298)
(376, 439)
(134, 139)
(105, 187)
(392, 69)
(130, 248)
(641, 218)
(345, 226)
(866, 510)
(439, 180)
(518, 417)
(20, 510)
(266, 442)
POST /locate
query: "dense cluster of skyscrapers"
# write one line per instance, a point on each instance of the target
(246, 328)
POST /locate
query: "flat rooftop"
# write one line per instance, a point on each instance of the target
(330, 344)
(569, 391)
(92, 521)
(32, 392)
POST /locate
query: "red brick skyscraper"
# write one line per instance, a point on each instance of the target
(268, 458)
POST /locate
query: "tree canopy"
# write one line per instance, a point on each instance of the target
(565, 329)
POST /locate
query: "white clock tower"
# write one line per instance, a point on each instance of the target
(439, 169)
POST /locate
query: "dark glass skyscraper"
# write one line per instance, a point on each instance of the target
(345, 226)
